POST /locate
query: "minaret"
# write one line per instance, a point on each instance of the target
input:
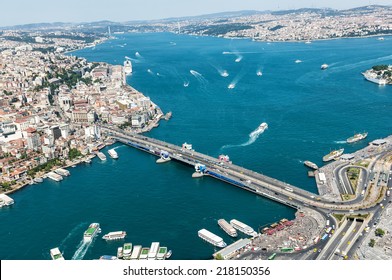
(110, 34)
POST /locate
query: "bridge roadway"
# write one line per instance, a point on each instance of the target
(233, 174)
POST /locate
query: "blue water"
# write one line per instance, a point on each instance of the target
(309, 113)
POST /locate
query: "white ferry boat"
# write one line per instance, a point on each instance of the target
(144, 253)
(101, 156)
(225, 74)
(62, 172)
(119, 252)
(231, 86)
(243, 228)
(113, 154)
(127, 250)
(229, 229)
(127, 67)
(38, 180)
(324, 66)
(211, 238)
(161, 255)
(310, 164)
(56, 255)
(54, 176)
(168, 254)
(5, 200)
(333, 155)
(136, 252)
(115, 235)
(298, 61)
(357, 137)
(152, 253)
(91, 232)
(262, 127)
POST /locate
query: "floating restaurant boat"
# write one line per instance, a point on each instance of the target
(91, 232)
(56, 255)
(243, 228)
(211, 238)
(114, 235)
(101, 156)
(113, 154)
(333, 155)
(357, 137)
(310, 164)
(229, 229)
(54, 176)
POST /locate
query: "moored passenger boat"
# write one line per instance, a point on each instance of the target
(243, 227)
(229, 229)
(211, 238)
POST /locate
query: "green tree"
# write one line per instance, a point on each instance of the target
(219, 257)
(379, 232)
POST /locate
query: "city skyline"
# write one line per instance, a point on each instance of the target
(43, 11)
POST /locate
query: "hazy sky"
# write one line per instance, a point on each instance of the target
(22, 11)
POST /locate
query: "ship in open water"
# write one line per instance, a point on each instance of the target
(357, 137)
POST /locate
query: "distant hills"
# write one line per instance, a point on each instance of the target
(101, 26)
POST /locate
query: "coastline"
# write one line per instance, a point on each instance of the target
(151, 125)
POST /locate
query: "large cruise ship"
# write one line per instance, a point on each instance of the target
(127, 66)
(229, 229)
(211, 238)
(333, 155)
(113, 154)
(372, 77)
(243, 227)
(357, 137)
(114, 235)
(262, 127)
(91, 232)
(56, 255)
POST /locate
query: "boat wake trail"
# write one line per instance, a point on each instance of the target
(339, 142)
(198, 76)
(150, 72)
(71, 233)
(252, 138)
(81, 251)
(137, 54)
